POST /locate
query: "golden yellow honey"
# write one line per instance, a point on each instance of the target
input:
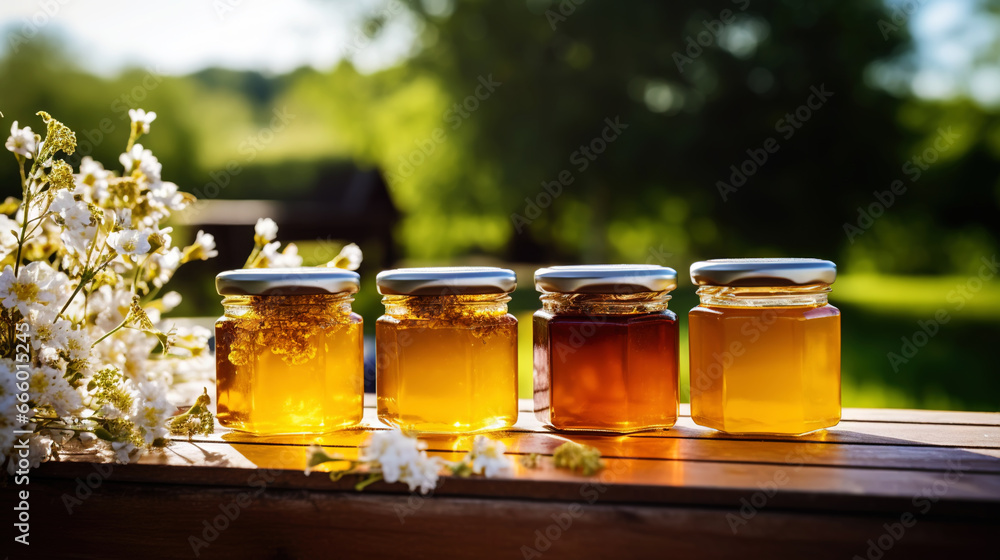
(447, 364)
(289, 364)
(765, 360)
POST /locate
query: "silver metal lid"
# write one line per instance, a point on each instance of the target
(605, 279)
(286, 281)
(438, 281)
(763, 272)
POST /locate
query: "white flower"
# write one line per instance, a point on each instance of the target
(95, 177)
(170, 300)
(49, 333)
(265, 231)
(35, 284)
(152, 411)
(164, 265)
(288, 258)
(142, 118)
(487, 457)
(129, 242)
(349, 257)
(202, 249)
(401, 458)
(48, 387)
(21, 141)
(8, 239)
(78, 345)
(125, 452)
(144, 161)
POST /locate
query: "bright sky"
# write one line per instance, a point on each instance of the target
(181, 36)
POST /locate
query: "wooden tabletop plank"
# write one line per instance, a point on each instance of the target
(789, 451)
(626, 480)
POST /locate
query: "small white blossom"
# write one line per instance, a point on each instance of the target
(265, 231)
(21, 141)
(129, 242)
(35, 284)
(152, 410)
(125, 452)
(203, 247)
(349, 257)
(49, 388)
(401, 458)
(487, 457)
(95, 178)
(142, 119)
(143, 160)
(287, 258)
(8, 239)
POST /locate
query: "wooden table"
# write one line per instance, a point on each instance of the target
(915, 483)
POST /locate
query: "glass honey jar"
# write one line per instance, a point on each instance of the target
(289, 351)
(765, 346)
(606, 348)
(446, 350)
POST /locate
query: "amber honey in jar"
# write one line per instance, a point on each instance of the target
(606, 348)
(765, 346)
(289, 351)
(446, 350)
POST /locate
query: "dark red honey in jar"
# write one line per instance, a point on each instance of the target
(606, 348)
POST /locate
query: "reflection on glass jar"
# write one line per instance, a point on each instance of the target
(447, 350)
(605, 348)
(289, 351)
(765, 346)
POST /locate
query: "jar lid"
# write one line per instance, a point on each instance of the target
(439, 281)
(286, 281)
(605, 279)
(763, 272)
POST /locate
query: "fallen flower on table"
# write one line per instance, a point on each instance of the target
(571, 456)
(395, 456)
(577, 457)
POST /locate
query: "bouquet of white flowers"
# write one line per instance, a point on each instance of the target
(84, 262)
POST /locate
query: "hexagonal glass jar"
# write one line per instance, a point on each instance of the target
(765, 346)
(289, 351)
(446, 350)
(606, 348)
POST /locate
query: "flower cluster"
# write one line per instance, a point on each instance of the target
(84, 260)
(265, 252)
(395, 456)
